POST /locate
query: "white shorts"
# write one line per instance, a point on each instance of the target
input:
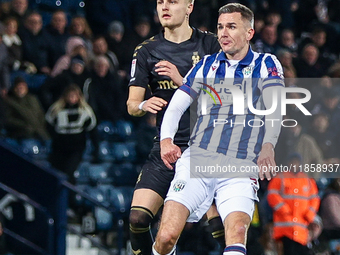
(197, 194)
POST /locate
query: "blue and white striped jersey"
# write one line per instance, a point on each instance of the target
(219, 127)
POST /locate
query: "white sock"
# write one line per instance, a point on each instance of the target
(154, 252)
(235, 249)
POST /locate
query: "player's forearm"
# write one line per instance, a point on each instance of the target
(273, 121)
(133, 108)
(178, 105)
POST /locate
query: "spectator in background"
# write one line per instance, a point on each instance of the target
(14, 48)
(318, 38)
(310, 64)
(295, 202)
(269, 244)
(104, 93)
(70, 118)
(273, 18)
(100, 48)
(35, 43)
(24, 114)
(294, 140)
(119, 42)
(287, 41)
(4, 72)
(258, 26)
(59, 35)
(75, 45)
(19, 10)
(293, 112)
(13, 43)
(268, 42)
(319, 89)
(286, 59)
(142, 30)
(329, 211)
(80, 27)
(53, 88)
(330, 105)
(319, 131)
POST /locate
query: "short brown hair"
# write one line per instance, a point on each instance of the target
(246, 13)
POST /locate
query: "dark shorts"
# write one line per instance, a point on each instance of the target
(154, 174)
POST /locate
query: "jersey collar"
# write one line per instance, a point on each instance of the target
(245, 61)
(191, 39)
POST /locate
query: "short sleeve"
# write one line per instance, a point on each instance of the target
(272, 72)
(139, 69)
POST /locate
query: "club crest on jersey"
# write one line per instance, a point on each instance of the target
(195, 58)
(247, 71)
(179, 185)
(133, 67)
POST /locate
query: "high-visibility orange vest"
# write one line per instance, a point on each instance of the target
(295, 202)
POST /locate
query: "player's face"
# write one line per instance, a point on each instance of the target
(172, 13)
(234, 34)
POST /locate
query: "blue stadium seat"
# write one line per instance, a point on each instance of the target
(121, 198)
(124, 151)
(118, 197)
(12, 142)
(34, 148)
(124, 129)
(104, 219)
(98, 173)
(79, 200)
(334, 246)
(97, 194)
(106, 151)
(107, 131)
(81, 175)
(322, 184)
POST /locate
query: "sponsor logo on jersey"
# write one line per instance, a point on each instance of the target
(247, 71)
(195, 58)
(167, 85)
(179, 185)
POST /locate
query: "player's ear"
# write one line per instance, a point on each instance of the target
(250, 33)
(190, 8)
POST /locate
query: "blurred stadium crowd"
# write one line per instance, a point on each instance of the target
(57, 56)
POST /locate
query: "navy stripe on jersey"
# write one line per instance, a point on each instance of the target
(256, 80)
(198, 124)
(246, 132)
(243, 145)
(189, 78)
(220, 72)
(209, 62)
(208, 132)
(224, 144)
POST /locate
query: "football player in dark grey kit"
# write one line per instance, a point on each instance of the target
(160, 64)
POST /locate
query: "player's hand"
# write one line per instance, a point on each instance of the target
(154, 105)
(266, 162)
(169, 152)
(168, 69)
